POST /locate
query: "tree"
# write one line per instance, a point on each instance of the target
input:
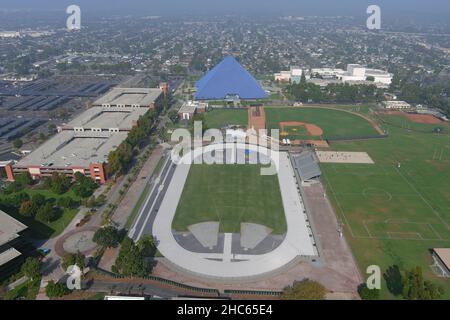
(147, 246)
(38, 199)
(416, 288)
(23, 179)
(173, 116)
(55, 290)
(107, 237)
(46, 213)
(31, 268)
(84, 187)
(368, 294)
(51, 128)
(59, 183)
(67, 202)
(120, 159)
(71, 259)
(28, 209)
(17, 143)
(304, 290)
(131, 260)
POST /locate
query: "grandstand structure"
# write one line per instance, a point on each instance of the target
(306, 166)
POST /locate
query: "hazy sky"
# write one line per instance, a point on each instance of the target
(277, 7)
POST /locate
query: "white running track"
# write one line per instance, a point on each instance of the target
(298, 240)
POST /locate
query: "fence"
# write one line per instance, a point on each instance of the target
(355, 138)
(208, 291)
(163, 281)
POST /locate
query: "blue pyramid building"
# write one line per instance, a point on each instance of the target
(229, 81)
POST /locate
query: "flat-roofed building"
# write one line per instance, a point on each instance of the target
(106, 119)
(441, 258)
(70, 152)
(190, 108)
(10, 243)
(294, 75)
(355, 74)
(131, 97)
(83, 144)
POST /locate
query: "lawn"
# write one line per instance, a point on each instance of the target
(334, 123)
(400, 121)
(27, 290)
(392, 215)
(230, 194)
(219, 118)
(41, 230)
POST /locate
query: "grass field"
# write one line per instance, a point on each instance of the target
(219, 118)
(230, 194)
(400, 121)
(45, 230)
(394, 216)
(334, 123)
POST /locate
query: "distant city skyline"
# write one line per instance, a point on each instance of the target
(263, 7)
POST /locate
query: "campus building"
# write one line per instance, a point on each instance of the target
(83, 144)
(11, 244)
(229, 81)
(190, 108)
(294, 75)
(355, 73)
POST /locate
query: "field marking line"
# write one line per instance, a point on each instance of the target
(391, 235)
(434, 230)
(367, 229)
(338, 203)
(399, 239)
(423, 198)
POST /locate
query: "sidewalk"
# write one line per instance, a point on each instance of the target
(128, 203)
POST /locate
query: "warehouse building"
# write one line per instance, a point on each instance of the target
(83, 144)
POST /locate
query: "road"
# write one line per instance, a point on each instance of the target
(144, 222)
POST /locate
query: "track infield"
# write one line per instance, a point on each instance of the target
(230, 194)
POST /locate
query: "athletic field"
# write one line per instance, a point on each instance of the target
(398, 209)
(230, 194)
(334, 123)
(219, 118)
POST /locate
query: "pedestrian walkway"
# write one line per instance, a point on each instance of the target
(227, 255)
